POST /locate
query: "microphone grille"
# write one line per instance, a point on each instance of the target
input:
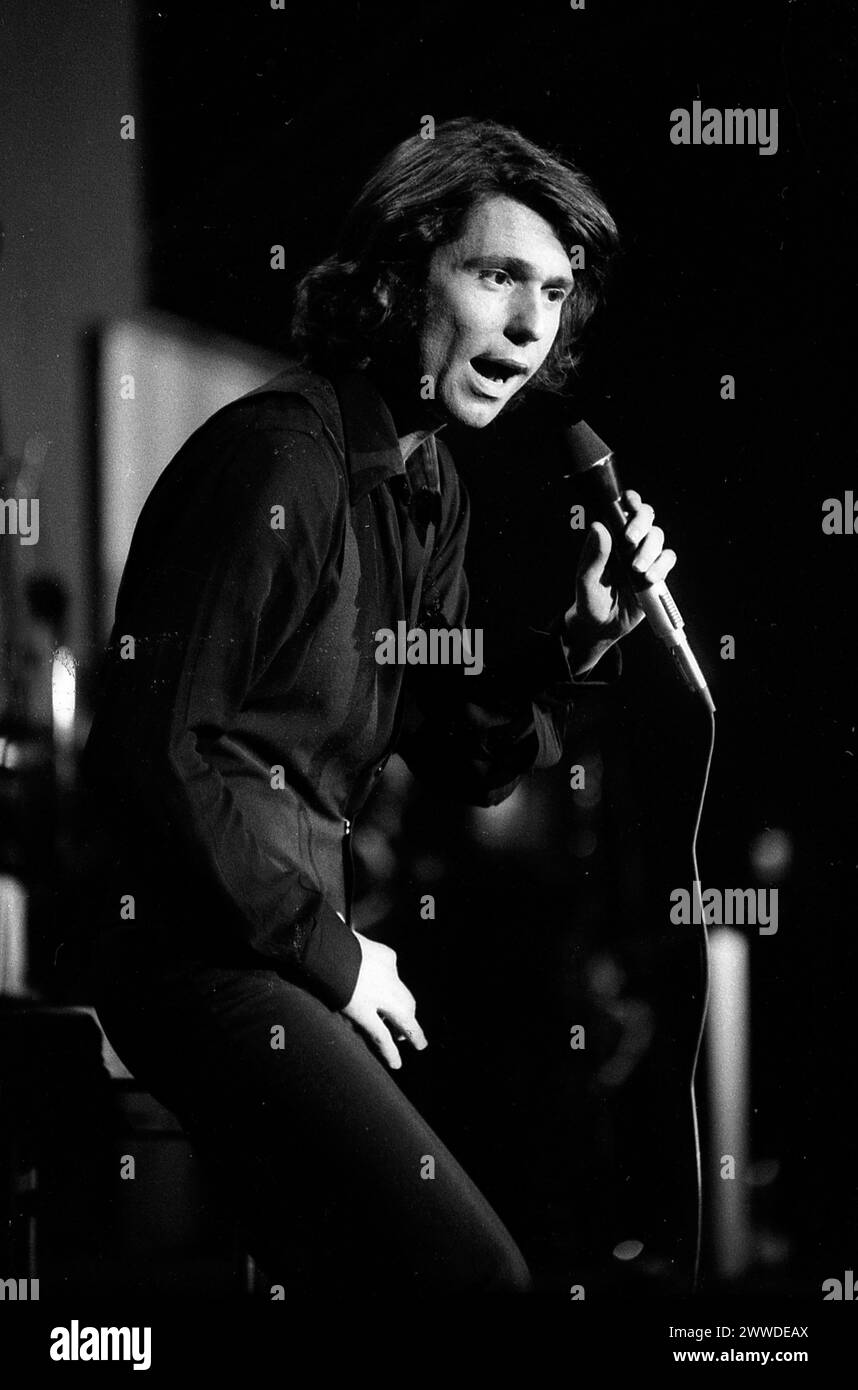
(584, 446)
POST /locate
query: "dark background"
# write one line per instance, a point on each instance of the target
(260, 125)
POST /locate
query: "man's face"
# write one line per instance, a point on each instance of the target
(493, 309)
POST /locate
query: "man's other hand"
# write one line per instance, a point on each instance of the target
(381, 1006)
(604, 612)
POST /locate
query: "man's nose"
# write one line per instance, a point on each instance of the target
(528, 319)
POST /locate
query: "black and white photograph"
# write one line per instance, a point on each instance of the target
(428, 513)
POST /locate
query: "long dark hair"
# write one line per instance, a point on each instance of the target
(364, 302)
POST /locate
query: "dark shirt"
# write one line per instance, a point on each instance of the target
(242, 716)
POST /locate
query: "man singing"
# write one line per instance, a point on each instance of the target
(243, 715)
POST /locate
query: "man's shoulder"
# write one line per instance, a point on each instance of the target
(278, 434)
(295, 392)
(294, 400)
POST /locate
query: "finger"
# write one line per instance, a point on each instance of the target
(640, 524)
(649, 550)
(405, 1026)
(632, 500)
(662, 566)
(595, 552)
(380, 1037)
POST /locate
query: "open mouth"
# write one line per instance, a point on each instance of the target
(497, 370)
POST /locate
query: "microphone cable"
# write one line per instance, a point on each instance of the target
(706, 972)
(593, 465)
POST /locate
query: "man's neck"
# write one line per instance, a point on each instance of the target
(414, 418)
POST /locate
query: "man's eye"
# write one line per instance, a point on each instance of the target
(557, 296)
(497, 275)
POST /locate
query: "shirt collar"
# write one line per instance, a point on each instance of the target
(361, 426)
(372, 444)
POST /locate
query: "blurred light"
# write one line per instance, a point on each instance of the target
(63, 691)
(588, 795)
(728, 1044)
(520, 819)
(605, 976)
(63, 683)
(628, 1249)
(591, 792)
(21, 755)
(594, 768)
(377, 854)
(9, 753)
(13, 936)
(771, 854)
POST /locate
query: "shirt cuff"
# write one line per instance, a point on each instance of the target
(332, 959)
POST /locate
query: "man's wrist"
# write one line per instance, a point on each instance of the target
(584, 643)
(332, 958)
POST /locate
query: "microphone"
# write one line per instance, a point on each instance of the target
(593, 461)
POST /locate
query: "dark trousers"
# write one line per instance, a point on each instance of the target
(338, 1182)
